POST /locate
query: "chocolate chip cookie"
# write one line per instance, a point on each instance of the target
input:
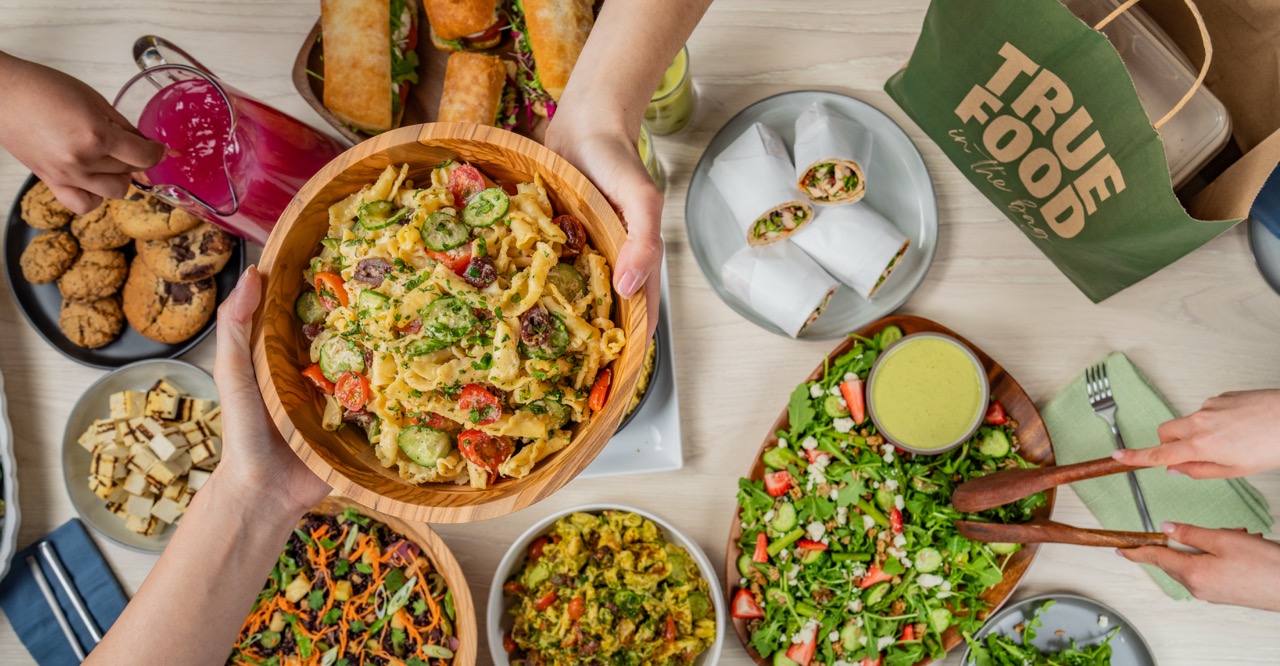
(91, 323)
(193, 255)
(96, 274)
(97, 229)
(145, 217)
(48, 256)
(41, 210)
(165, 311)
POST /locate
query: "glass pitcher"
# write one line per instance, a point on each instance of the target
(229, 158)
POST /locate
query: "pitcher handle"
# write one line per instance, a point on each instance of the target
(152, 51)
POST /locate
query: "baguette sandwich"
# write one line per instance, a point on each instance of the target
(463, 25)
(369, 60)
(549, 36)
(479, 89)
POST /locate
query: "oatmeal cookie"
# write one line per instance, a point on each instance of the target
(48, 256)
(91, 324)
(96, 274)
(41, 210)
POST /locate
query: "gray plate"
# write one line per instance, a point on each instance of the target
(1077, 617)
(9, 489)
(95, 404)
(1266, 252)
(898, 187)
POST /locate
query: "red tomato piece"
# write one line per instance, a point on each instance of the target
(352, 390)
(577, 608)
(465, 181)
(332, 290)
(316, 375)
(483, 450)
(810, 544)
(744, 606)
(996, 414)
(777, 483)
(855, 396)
(669, 632)
(762, 549)
(455, 260)
(513, 587)
(535, 548)
(508, 643)
(600, 390)
(909, 632)
(545, 602)
(481, 406)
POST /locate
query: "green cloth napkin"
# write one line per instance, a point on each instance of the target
(1078, 435)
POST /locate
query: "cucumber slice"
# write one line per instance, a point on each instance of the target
(849, 635)
(834, 407)
(744, 564)
(995, 444)
(809, 556)
(557, 343)
(780, 658)
(777, 597)
(309, 309)
(884, 498)
(939, 619)
(371, 301)
(779, 457)
(568, 281)
(784, 519)
(424, 445)
(486, 207)
(442, 232)
(1001, 548)
(339, 355)
(889, 335)
(928, 560)
(876, 594)
(425, 346)
(448, 319)
(379, 214)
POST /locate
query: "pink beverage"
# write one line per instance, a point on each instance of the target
(267, 158)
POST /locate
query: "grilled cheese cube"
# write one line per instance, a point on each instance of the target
(213, 418)
(191, 409)
(167, 510)
(206, 454)
(185, 500)
(162, 401)
(145, 526)
(142, 459)
(196, 479)
(167, 444)
(139, 505)
(192, 430)
(127, 404)
(160, 475)
(146, 428)
(93, 436)
(110, 463)
(118, 509)
(103, 489)
(173, 491)
(181, 464)
(135, 483)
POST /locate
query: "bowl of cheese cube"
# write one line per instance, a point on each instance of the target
(139, 444)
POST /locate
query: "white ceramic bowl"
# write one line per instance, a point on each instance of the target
(95, 404)
(497, 621)
(9, 523)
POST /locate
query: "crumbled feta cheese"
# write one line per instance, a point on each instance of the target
(809, 443)
(884, 642)
(768, 515)
(842, 425)
(1103, 621)
(849, 376)
(867, 522)
(900, 502)
(785, 555)
(899, 540)
(815, 391)
(782, 443)
(854, 606)
(835, 390)
(886, 449)
(944, 594)
(842, 516)
(816, 530)
(888, 457)
(875, 484)
(833, 637)
(946, 586)
(891, 484)
(806, 633)
(843, 403)
(834, 494)
(929, 580)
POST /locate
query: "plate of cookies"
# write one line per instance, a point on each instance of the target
(133, 279)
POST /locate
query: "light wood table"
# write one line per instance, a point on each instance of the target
(1206, 325)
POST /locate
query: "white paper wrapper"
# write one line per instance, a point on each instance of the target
(754, 176)
(822, 136)
(853, 243)
(780, 282)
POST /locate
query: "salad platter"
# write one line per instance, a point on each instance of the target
(1059, 629)
(844, 546)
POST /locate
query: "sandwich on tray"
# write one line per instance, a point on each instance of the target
(369, 60)
(464, 25)
(549, 36)
(479, 89)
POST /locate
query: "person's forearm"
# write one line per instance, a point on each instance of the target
(631, 46)
(192, 605)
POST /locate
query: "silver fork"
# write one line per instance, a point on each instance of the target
(1103, 402)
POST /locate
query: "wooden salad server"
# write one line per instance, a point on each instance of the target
(1000, 488)
(1047, 531)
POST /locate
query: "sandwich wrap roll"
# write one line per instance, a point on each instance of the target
(474, 88)
(780, 282)
(754, 176)
(832, 154)
(855, 244)
(357, 69)
(558, 30)
(463, 24)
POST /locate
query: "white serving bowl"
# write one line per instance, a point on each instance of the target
(497, 621)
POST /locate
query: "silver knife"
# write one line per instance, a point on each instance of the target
(43, 584)
(64, 579)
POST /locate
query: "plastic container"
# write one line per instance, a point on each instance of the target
(1162, 74)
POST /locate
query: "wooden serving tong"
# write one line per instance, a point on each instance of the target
(1000, 488)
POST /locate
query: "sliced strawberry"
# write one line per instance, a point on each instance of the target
(996, 414)
(777, 483)
(855, 396)
(810, 544)
(744, 606)
(762, 549)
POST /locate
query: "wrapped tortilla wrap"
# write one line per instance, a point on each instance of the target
(754, 176)
(780, 282)
(855, 244)
(832, 153)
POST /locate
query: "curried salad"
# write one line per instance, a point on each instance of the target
(849, 551)
(349, 591)
(998, 650)
(607, 588)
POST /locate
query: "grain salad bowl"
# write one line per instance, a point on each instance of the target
(343, 458)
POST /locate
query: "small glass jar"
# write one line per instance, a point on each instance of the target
(671, 106)
(647, 155)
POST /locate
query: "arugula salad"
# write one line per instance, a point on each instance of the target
(999, 650)
(850, 553)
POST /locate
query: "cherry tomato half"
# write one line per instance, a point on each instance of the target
(483, 450)
(352, 390)
(465, 181)
(481, 406)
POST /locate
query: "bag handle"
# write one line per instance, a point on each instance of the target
(1204, 68)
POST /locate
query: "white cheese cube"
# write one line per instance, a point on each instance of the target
(206, 454)
(103, 489)
(173, 491)
(162, 401)
(142, 459)
(181, 463)
(213, 418)
(139, 505)
(196, 479)
(126, 404)
(167, 444)
(135, 483)
(160, 475)
(147, 526)
(167, 510)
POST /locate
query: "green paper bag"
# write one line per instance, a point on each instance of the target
(1037, 109)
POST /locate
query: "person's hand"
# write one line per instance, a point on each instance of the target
(256, 461)
(66, 133)
(611, 161)
(1232, 435)
(1235, 568)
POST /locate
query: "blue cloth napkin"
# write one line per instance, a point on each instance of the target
(30, 615)
(1266, 208)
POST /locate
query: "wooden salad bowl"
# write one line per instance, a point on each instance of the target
(1033, 445)
(344, 459)
(442, 560)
